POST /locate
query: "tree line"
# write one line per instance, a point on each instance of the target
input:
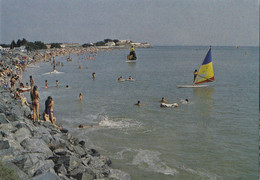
(33, 46)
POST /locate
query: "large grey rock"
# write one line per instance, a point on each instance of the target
(3, 107)
(22, 134)
(77, 172)
(4, 145)
(69, 162)
(3, 119)
(47, 166)
(60, 168)
(79, 151)
(37, 146)
(18, 171)
(100, 168)
(50, 175)
(33, 163)
(86, 176)
(7, 129)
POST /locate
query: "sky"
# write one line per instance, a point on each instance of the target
(158, 22)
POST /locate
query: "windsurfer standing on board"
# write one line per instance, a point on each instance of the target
(132, 55)
(195, 73)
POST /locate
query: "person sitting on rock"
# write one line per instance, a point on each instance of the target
(48, 113)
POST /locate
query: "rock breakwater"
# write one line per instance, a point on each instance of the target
(41, 151)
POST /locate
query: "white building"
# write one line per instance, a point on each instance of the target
(123, 42)
(111, 43)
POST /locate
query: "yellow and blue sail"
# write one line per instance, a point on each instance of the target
(206, 73)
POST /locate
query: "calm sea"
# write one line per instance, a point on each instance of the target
(214, 136)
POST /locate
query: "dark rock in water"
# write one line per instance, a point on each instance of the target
(82, 143)
(63, 130)
(4, 145)
(3, 118)
(93, 152)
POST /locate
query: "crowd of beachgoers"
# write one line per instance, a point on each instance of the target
(36, 147)
(14, 63)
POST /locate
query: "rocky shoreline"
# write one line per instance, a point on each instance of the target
(41, 151)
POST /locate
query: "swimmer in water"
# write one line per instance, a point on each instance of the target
(138, 103)
(57, 83)
(79, 67)
(130, 78)
(67, 86)
(163, 100)
(93, 75)
(120, 79)
(81, 126)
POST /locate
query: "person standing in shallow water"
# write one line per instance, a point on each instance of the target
(195, 73)
(57, 83)
(46, 84)
(35, 96)
(93, 75)
(31, 82)
(80, 96)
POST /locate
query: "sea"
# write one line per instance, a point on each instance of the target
(213, 136)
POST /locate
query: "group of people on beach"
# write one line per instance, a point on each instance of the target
(11, 66)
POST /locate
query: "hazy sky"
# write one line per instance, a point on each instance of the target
(158, 22)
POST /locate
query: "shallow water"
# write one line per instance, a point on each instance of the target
(214, 136)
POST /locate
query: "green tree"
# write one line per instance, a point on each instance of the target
(107, 40)
(55, 45)
(13, 44)
(40, 45)
(100, 43)
(30, 46)
(116, 40)
(18, 43)
(86, 45)
(24, 42)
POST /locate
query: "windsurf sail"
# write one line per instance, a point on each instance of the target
(206, 73)
(132, 55)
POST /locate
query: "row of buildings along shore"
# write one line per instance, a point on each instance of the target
(111, 44)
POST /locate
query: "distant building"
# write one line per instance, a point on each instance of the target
(62, 45)
(111, 43)
(48, 46)
(123, 42)
(71, 44)
(135, 44)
